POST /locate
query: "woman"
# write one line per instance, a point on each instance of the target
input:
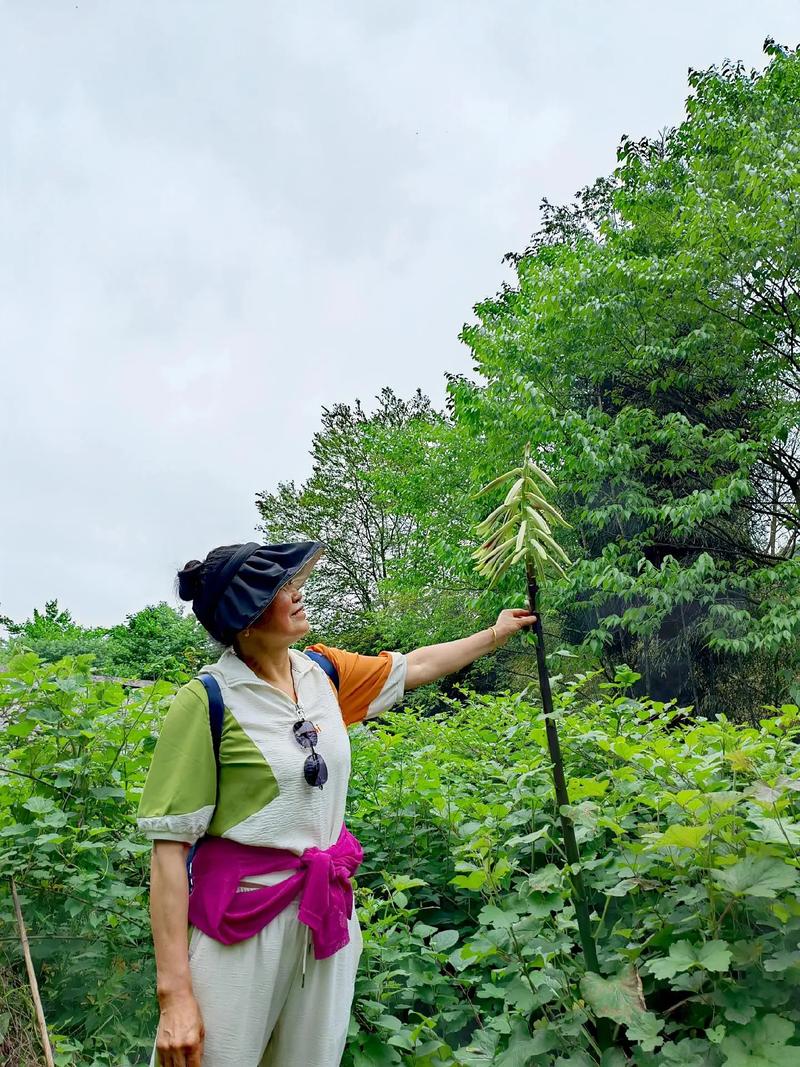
(241, 988)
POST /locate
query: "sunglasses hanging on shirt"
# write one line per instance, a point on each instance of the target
(315, 769)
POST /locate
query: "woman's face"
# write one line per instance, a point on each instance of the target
(285, 616)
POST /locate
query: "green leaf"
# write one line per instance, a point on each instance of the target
(756, 877)
(103, 792)
(375, 1052)
(490, 915)
(646, 1029)
(714, 956)
(522, 1046)
(443, 940)
(680, 836)
(683, 956)
(613, 1057)
(580, 788)
(474, 881)
(782, 961)
(619, 998)
(423, 930)
(762, 1044)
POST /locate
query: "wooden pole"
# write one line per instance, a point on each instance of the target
(37, 1003)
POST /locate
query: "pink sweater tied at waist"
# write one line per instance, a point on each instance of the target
(322, 880)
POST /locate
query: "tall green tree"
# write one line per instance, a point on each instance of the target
(649, 351)
(156, 642)
(387, 495)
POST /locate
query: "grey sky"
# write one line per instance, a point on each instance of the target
(217, 217)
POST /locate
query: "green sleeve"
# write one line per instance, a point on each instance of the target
(177, 802)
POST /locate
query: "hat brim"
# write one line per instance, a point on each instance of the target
(300, 576)
(297, 574)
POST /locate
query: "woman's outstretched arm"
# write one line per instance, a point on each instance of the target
(429, 662)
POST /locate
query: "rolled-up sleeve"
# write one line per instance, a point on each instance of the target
(179, 795)
(368, 685)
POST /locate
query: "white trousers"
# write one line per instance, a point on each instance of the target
(257, 1009)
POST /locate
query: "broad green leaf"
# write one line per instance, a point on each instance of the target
(614, 1058)
(39, 805)
(762, 1044)
(782, 961)
(443, 940)
(581, 788)
(679, 836)
(756, 877)
(474, 880)
(619, 997)
(423, 930)
(714, 956)
(683, 956)
(491, 915)
(646, 1029)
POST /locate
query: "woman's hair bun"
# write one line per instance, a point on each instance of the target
(189, 580)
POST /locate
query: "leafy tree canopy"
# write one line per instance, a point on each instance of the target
(156, 642)
(649, 351)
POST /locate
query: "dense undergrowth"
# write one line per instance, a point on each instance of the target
(689, 833)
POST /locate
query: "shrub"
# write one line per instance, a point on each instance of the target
(689, 835)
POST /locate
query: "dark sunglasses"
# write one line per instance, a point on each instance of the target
(315, 769)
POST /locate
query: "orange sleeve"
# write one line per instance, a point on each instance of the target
(368, 685)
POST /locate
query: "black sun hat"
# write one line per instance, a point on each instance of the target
(237, 583)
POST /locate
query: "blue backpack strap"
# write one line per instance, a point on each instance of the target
(327, 666)
(216, 716)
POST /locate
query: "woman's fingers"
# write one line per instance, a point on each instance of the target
(510, 620)
(196, 1058)
(189, 1056)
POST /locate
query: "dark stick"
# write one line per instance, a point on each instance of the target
(560, 782)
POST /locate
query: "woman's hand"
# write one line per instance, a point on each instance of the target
(180, 1032)
(509, 621)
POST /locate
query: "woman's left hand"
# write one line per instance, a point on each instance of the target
(510, 620)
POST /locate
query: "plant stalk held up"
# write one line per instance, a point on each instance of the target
(521, 530)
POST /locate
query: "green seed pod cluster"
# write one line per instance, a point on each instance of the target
(520, 527)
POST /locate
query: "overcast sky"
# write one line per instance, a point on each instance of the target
(217, 217)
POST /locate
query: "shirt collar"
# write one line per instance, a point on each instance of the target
(235, 672)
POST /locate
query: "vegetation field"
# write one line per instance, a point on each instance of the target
(689, 832)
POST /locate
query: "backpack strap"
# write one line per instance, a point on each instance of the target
(216, 716)
(327, 666)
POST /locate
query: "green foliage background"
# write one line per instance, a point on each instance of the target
(689, 833)
(156, 642)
